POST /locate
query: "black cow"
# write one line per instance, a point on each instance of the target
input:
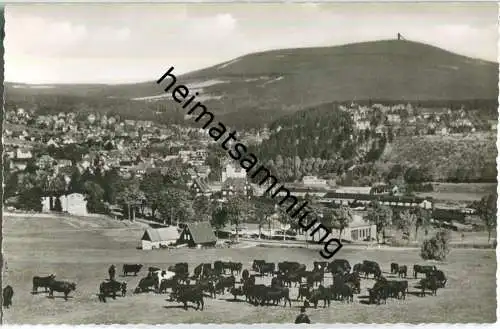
(346, 292)
(394, 268)
(422, 269)
(152, 269)
(42, 282)
(131, 268)
(267, 268)
(397, 289)
(379, 291)
(186, 293)
(146, 283)
(276, 294)
(257, 264)
(235, 267)
(403, 271)
(370, 267)
(341, 266)
(168, 283)
(207, 285)
(61, 286)
(429, 283)
(354, 280)
(321, 293)
(111, 288)
(440, 277)
(290, 277)
(181, 271)
(315, 277)
(7, 295)
(224, 283)
(237, 292)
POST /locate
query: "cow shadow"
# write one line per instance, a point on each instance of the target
(179, 307)
(232, 300)
(39, 292)
(59, 297)
(415, 293)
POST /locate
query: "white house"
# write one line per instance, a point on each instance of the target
(231, 171)
(154, 238)
(358, 230)
(313, 181)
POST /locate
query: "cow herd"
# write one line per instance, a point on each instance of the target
(221, 277)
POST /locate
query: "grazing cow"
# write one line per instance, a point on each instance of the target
(341, 266)
(257, 264)
(394, 268)
(131, 268)
(235, 267)
(429, 283)
(108, 288)
(167, 283)
(181, 271)
(358, 268)
(207, 285)
(402, 271)
(237, 292)
(153, 269)
(354, 280)
(315, 277)
(276, 294)
(346, 292)
(7, 295)
(440, 277)
(379, 291)
(42, 282)
(290, 277)
(321, 293)
(370, 267)
(186, 293)
(397, 289)
(422, 269)
(224, 283)
(61, 286)
(218, 267)
(145, 284)
(267, 268)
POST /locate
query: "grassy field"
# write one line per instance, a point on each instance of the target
(465, 192)
(81, 250)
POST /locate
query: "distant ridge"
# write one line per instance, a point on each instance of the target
(259, 87)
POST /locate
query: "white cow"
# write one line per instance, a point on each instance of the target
(163, 275)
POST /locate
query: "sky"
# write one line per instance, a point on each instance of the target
(121, 43)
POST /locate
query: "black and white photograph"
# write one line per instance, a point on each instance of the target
(249, 163)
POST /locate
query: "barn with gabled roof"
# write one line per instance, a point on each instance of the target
(154, 238)
(200, 233)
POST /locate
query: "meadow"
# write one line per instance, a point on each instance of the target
(81, 250)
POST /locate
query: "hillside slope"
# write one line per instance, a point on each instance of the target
(260, 87)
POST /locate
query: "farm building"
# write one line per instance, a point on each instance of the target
(154, 238)
(200, 233)
(358, 230)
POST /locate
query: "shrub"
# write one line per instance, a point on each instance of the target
(437, 247)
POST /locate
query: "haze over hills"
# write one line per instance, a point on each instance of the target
(257, 88)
